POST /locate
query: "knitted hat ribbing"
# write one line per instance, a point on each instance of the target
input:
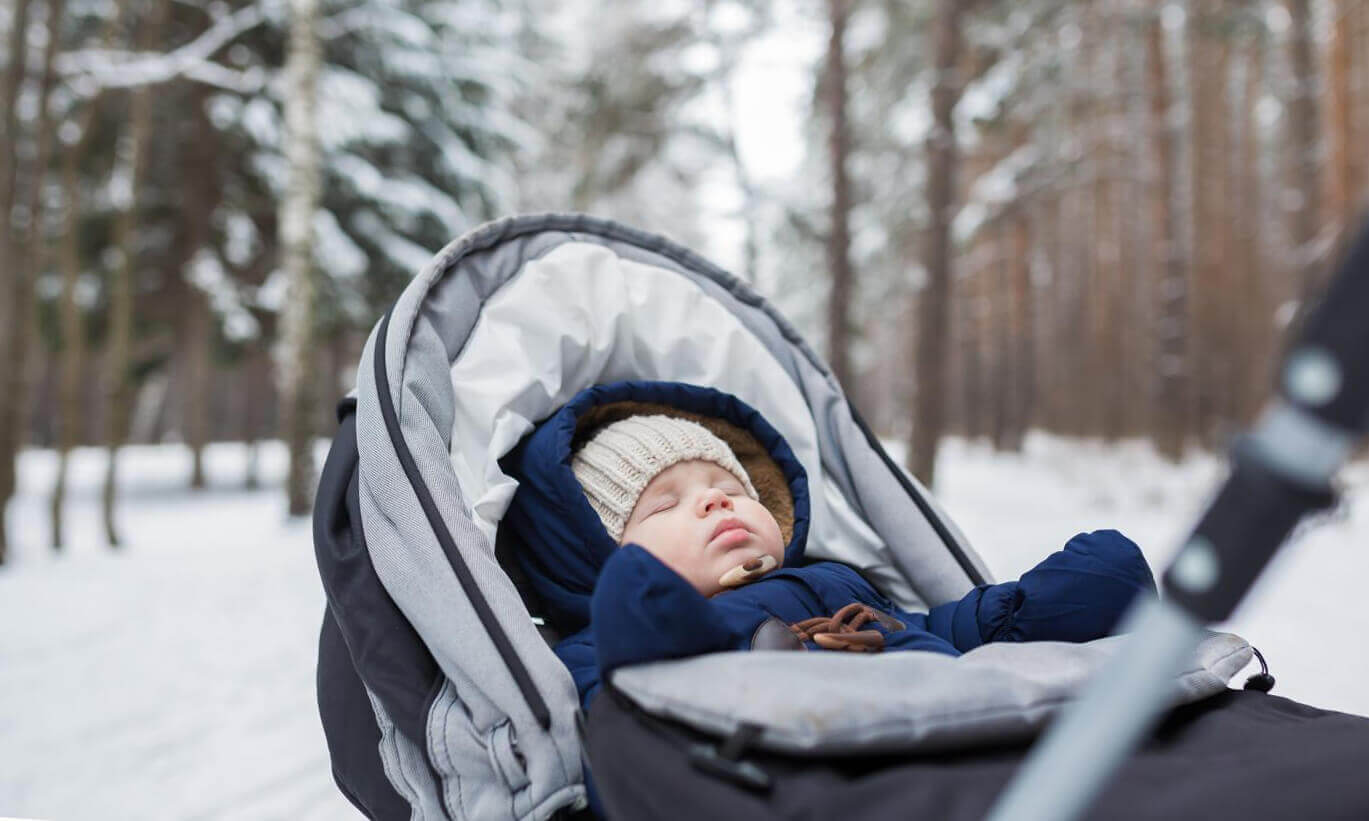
(617, 464)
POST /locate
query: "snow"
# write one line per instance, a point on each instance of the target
(174, 679)
(350, 104)
(334, 251)
(991, 191)
(983, 98)
(262, 122)
(205, 272)
(402, 197)
(240, 242)
(116, 69)
(401, 251)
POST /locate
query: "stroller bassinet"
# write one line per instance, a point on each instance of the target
(438, 690)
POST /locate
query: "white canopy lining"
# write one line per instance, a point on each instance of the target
(582, 315)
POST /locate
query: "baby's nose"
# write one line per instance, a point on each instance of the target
(714, 499)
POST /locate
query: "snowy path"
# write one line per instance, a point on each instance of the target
(175, 680)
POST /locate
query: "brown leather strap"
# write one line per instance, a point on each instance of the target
(841, 631)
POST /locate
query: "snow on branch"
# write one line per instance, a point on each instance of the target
(993, 191)
(126, 69)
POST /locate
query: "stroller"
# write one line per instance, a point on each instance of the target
(439, 692)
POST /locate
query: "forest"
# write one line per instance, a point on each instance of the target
(1098, 218)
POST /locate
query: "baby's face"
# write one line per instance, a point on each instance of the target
(696, 518)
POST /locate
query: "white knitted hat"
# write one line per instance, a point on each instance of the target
(619, 461)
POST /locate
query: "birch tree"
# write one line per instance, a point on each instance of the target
(296, 239)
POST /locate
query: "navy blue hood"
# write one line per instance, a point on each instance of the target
(557, 537)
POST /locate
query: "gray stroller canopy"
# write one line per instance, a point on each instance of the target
(439, 695)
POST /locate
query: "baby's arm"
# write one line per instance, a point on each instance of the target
(644, 611)
(576, 651)
(1076, 594)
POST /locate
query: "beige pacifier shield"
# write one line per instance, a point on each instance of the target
(751, 570)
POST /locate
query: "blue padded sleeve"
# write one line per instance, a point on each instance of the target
(1078, 593)
(958, 621)
(576, 651)
(644, 611)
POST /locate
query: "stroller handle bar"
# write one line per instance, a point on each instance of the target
(1281, 471)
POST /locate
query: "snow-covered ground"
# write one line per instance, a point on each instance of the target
(174, 679)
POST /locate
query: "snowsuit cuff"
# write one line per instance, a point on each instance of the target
(643, 611)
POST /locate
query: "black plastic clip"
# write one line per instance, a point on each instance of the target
(1261, 681)
(725, 761)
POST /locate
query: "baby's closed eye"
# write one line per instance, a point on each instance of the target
(661, 505)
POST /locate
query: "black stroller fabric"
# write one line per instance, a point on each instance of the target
(1239, 754)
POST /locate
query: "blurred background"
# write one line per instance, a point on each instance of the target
(1051, 249)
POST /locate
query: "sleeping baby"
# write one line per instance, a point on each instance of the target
(694, 559)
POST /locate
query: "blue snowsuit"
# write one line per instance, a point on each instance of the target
(620, 606)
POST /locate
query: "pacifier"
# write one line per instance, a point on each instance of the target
(748, 571)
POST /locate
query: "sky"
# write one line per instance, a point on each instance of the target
(772, 86)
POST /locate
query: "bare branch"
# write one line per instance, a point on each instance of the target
(124, 69)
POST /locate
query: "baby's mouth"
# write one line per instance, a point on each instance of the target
(729, 531)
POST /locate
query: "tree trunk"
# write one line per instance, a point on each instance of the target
(966, 335)
(839, 236)
(1022, 374)
(1252, 314)
(1002, 326)
(11, 308)
(935, 300)
(257, 379)
(118, 365)
(1359, 26)
(1171, 284)
(202, 190)
(296, 235)
(14, 415)
(1104, 351)
(30, 252)
(71, 320)
(1084, 380)
(1208, 70)
(73, 334)
(1303, 121)
(9, 140)
(1343, 169)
